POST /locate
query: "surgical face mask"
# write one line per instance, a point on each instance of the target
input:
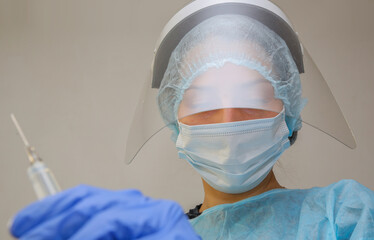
(234, 157)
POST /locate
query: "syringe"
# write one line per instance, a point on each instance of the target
(42, 178)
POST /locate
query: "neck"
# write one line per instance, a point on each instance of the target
(214, 197)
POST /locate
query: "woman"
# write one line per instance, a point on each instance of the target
(231, 94)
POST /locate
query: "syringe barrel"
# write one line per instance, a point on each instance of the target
(42, 180)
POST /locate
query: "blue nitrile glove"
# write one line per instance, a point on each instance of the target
(87, 213)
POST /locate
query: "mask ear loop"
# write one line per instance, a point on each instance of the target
(293, 137)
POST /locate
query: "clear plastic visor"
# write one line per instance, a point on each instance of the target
(236, 93)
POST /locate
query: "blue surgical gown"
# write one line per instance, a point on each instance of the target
(343, 210)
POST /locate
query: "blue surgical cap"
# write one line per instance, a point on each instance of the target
(220, 40)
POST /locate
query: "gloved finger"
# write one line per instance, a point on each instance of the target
(157, 218)
(89, 208)
(50, 207)
(69, 222)
(45, 231)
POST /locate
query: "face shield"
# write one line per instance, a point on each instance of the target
(215, 56)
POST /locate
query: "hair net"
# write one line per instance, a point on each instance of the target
(233, 39)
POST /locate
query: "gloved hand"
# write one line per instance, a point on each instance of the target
(85, 213)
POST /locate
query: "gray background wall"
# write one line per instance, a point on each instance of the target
(71, 71)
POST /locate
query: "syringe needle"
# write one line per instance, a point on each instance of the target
(19, 130)
(41, 177)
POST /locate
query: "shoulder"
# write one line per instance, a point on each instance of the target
(343, 193)
(342, 210)
(343, 198)
(349, 207)
(346, 189)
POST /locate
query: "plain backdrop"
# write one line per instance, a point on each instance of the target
(71, 71)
